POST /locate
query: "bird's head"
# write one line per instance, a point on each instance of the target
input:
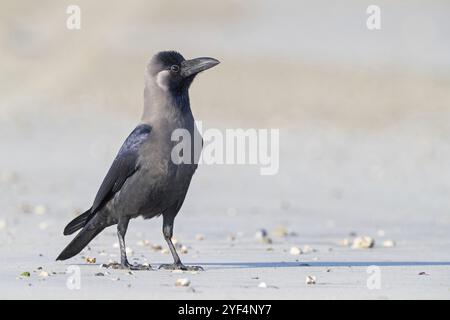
(172, 73)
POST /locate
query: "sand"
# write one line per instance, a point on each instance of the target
(364, 149)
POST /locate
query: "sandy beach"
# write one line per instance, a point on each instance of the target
(364, 150)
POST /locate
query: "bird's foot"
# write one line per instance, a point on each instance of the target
(128, 266)
(180, 266)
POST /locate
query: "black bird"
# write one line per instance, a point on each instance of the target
(143, 179)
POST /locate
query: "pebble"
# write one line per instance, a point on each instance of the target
(182, 282)
(310, 280)
(388, 243)
(199, 237)
(262, 285)
(364, 242)
(295, 251)
(99, 274)
(43, 274)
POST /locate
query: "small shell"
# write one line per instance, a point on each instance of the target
(182, 282)
(295, 251)
(310, 280)
(262, 285)
(199, 237)
(308, 249)
(364, 242)
(43, 274)
(389, 243)
(2, 224)
(184, 250)
(91, 260)
(165, 251)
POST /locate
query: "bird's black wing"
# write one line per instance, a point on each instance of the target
(124, 165)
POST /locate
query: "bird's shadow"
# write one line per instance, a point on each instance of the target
(250, 265)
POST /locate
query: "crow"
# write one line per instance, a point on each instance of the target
(145, 178)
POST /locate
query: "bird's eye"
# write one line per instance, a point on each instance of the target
(175, 68)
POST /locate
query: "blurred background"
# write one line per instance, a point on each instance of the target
(363, 115)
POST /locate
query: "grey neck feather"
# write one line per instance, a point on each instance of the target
(160, 104)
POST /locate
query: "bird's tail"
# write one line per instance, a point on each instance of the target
(77, 223)
(80, 241)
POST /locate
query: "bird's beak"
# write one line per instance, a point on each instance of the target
(194, 66)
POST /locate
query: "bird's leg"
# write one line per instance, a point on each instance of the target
(177, 264)
(122, 227)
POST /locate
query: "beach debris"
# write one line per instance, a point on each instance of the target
(143, 243)
(364, 242)
(91, 260)
(263, 236)
(310, 280)
(43, 274)
(280, 231)
(25, 274)
(156, 247)
(262, 285)
(295, 251)
(389, 243)
(40, 209)
(183, 249)
(182, 282)
(3, 224)
(199, 237)
(308, 249)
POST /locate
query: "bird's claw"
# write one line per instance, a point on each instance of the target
(180, 266)
(127, 266)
